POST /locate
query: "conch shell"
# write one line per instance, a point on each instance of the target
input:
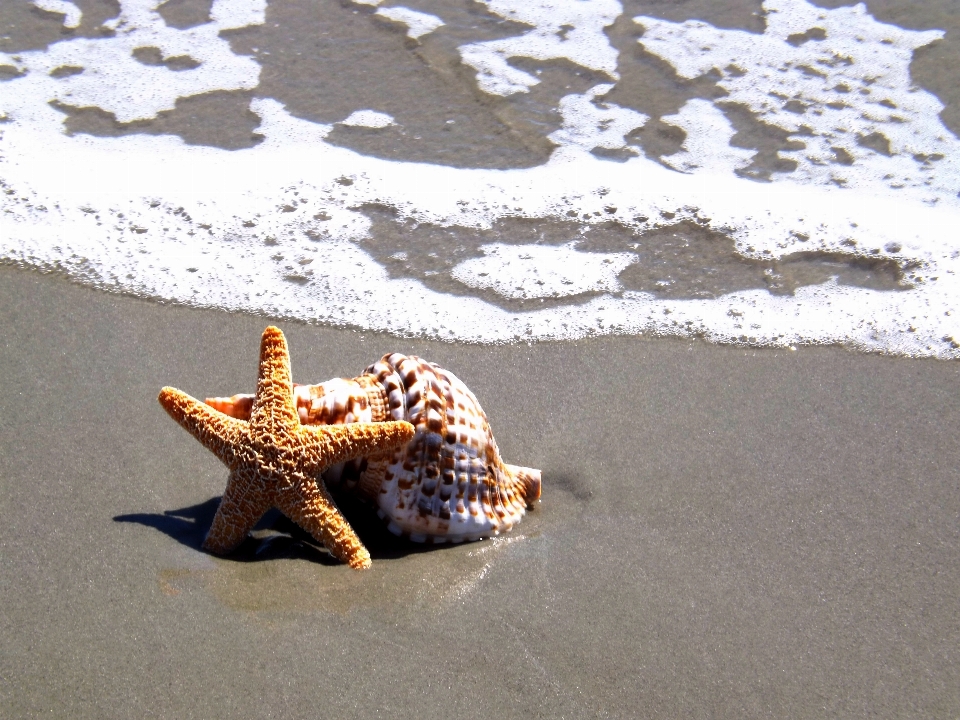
(449, 483)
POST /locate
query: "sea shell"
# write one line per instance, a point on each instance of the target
(449, 483)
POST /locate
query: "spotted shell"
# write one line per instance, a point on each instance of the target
(449, 483)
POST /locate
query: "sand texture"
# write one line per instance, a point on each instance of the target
(722, 533)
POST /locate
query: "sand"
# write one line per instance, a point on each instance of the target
(723, 532)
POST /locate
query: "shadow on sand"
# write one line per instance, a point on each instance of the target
(275, 536)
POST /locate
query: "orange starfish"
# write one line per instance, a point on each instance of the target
(275, 461)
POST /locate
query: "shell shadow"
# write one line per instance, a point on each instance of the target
(576, 484)
(275, 536)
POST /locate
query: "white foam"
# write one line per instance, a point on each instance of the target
(231, 14)
(795, 87)
(418, 23)
(540, 271)
(707, 143)
(368, 118)
(569, 29)
(71, 13)
(275, 228)
(588, 125)
(114, 81)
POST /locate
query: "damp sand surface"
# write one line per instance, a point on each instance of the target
(723, 532)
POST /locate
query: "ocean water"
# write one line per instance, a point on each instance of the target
(764, 173)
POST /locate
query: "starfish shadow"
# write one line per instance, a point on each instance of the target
(275, 536)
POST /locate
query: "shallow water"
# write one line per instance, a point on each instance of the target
(764, 173)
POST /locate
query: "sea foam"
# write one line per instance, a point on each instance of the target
(280, 228)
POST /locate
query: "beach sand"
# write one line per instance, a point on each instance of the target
(723, 532)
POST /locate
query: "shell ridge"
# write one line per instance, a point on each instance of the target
(420, 384)
(449, 483)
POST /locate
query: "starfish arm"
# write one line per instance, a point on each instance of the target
(217, 432)
(240, 508)
(274, 399)
(326, 445)
(310, 506)
(240, 406)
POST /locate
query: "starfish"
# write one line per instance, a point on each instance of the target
(275, 461)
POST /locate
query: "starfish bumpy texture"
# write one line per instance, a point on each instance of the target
(275, 461)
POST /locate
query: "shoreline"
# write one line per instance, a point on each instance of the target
(726, 531)
(58, 275)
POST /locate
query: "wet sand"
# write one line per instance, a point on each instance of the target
(723, 532)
